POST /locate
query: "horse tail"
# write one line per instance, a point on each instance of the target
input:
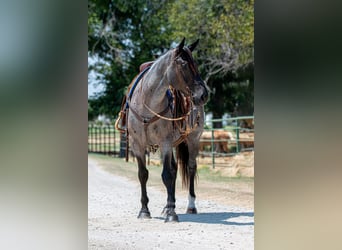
(182, 151)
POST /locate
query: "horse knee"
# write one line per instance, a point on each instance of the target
(143, 174)
(167, 177)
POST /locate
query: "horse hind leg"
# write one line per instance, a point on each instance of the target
(143, 177)
(187, 162)
(169, 176)
(192, 197)
(192, 172)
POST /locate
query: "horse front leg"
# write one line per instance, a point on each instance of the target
(192, 197)
(143, 177)
(169, 176)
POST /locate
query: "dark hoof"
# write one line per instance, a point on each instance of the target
(191, 210)
(171, 218)
(144, 215)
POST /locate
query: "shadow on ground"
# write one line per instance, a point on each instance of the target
(224, 218)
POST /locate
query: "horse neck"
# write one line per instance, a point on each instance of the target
(155, 84)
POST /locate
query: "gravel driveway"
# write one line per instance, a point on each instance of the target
(114, 203)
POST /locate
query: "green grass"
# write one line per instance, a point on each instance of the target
(130, 170)
(211, 184)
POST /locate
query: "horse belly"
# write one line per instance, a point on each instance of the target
(161, 133)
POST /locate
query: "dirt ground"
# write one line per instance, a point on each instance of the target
(225, 219)
(240, 165)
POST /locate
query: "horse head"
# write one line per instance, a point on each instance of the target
(184, 76)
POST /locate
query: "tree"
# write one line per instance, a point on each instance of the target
(124, 34)
(225, 55)
(121, 36)
(91, 113)
(225, 28)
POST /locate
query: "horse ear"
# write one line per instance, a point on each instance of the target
(181, 45)
(193, 46)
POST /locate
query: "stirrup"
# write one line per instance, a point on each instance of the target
(118, 121)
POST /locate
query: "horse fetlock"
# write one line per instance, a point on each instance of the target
(172, 218)
(144, 214)
(191, 201)
(170, 215)
(168, 210)
(191, 210)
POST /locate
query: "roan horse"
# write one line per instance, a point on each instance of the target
(165, 110)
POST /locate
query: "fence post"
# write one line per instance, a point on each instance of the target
(105, 144)
(96, 138)
(113, 140)
(212, 148)
(122, 153)
(237, 139)
(89, 133)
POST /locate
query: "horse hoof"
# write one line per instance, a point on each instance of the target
(171, 218)
(191, 210)
(144, 215)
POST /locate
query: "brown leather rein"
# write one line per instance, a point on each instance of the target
(183, 132)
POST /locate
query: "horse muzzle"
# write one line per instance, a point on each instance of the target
(200, 96)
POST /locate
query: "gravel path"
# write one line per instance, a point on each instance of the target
(114, 203)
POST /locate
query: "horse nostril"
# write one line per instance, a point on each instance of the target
(204, 97)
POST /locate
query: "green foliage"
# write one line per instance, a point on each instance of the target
(225, 53)
(123, 34)
(225, 28)
(91, 113)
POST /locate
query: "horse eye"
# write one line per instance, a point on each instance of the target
(180, 61)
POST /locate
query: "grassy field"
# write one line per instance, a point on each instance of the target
(211, 184)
